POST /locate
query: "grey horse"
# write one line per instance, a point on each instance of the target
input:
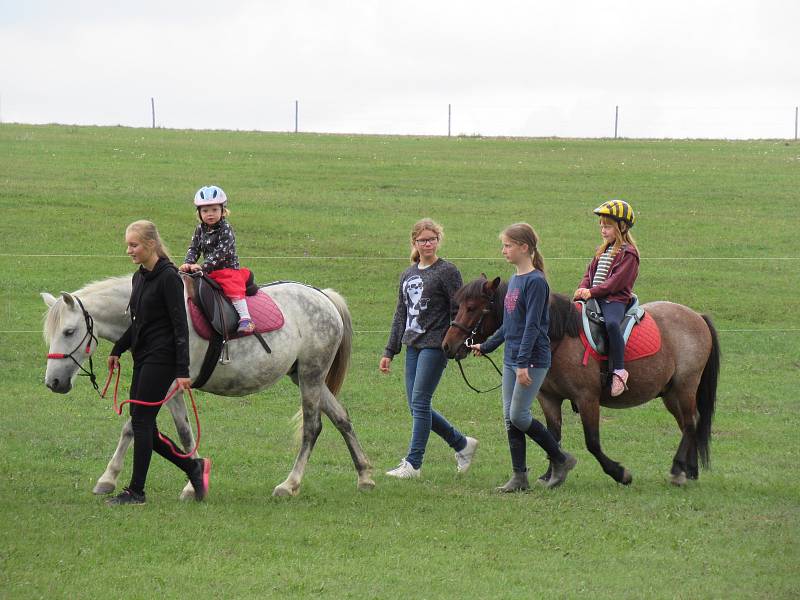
(313, 347)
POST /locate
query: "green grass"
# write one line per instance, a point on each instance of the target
(733, 533)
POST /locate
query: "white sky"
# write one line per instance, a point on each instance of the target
(676, 68)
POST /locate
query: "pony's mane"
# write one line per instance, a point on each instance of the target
(564, 318)
(54, 317)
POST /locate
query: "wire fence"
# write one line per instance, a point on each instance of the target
(568, 120)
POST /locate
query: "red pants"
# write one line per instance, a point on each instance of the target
(232, 281)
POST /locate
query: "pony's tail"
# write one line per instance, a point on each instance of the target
(707, 395)
(341, 361)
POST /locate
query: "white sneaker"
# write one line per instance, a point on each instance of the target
(464, 458)
(404, 471)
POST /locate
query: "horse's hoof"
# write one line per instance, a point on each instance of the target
(283, 492)
(103, 487)
(678, 480)
(627, 478)
(366, 485)
(186, 495)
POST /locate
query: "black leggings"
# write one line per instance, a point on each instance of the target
(613, 313)
(150, 383)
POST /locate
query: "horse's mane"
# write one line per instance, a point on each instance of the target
(565, 320)
(54, 317)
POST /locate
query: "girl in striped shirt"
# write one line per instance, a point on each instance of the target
(610, 278)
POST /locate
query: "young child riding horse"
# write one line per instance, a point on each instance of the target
(610, 277)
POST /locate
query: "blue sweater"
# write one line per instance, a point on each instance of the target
(525, 323)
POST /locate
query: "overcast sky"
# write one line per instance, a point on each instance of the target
(675, 68)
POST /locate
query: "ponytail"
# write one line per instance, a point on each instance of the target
(522, 233)
(147, 232)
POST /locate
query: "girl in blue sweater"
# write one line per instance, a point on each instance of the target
(526, 357)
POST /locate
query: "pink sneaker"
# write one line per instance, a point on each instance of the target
(619, 382)
(246, 326)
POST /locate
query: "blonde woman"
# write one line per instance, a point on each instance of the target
(158, 339)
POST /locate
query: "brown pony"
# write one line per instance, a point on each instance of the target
(683, 373)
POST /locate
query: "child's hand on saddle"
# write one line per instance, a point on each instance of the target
(476, 349)
(582, 294)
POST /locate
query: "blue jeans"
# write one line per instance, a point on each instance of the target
(424, 369)
(613, 313)
(517, 399)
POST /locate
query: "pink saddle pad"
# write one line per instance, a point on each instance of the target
(263, 311)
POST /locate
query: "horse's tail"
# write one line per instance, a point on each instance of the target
(341, 361)
(707, 395)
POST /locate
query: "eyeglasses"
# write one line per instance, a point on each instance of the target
(427, 241)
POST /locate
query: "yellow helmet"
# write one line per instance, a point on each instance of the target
(619, 210)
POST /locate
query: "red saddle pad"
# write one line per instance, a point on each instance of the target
(645, 340)
(263, 311)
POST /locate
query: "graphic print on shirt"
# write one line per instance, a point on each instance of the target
(511, 300)
(415, 303)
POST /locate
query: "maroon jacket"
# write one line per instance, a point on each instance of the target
(618, 286)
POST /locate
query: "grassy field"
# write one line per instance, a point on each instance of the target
(717, 231)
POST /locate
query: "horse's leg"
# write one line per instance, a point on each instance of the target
(589, 408)
(310, 392)
(551, 406)
(338, 415)
(108, 480)
(177, 407)
(682, 406)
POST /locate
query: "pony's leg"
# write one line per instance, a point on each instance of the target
(339, 417)
(684, 464)
(551, 407)
(108, 480)
(310, 391)
(177, 407)
(589, 408)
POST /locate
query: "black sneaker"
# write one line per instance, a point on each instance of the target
(126, 496)
(200, 477)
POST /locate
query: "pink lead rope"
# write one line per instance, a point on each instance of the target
(118, 409)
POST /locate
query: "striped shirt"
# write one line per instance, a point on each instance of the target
(603, 265)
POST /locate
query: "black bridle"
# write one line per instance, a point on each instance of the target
(471, 339)
(89, 334)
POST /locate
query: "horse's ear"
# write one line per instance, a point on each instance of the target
(68, 299)
(483, 276)
(495, 283)
(49, 299)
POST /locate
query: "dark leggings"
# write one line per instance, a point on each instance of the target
(613, 313)
(150, 383)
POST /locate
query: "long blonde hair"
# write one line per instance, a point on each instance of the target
(420, 226)
(147, 232)
(620, 237)
(522, 233)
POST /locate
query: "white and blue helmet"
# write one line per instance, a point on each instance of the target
(209, 195)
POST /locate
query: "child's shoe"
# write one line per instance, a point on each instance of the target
(619, 382)
(246, 326)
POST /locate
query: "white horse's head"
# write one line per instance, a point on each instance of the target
(69, 333)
